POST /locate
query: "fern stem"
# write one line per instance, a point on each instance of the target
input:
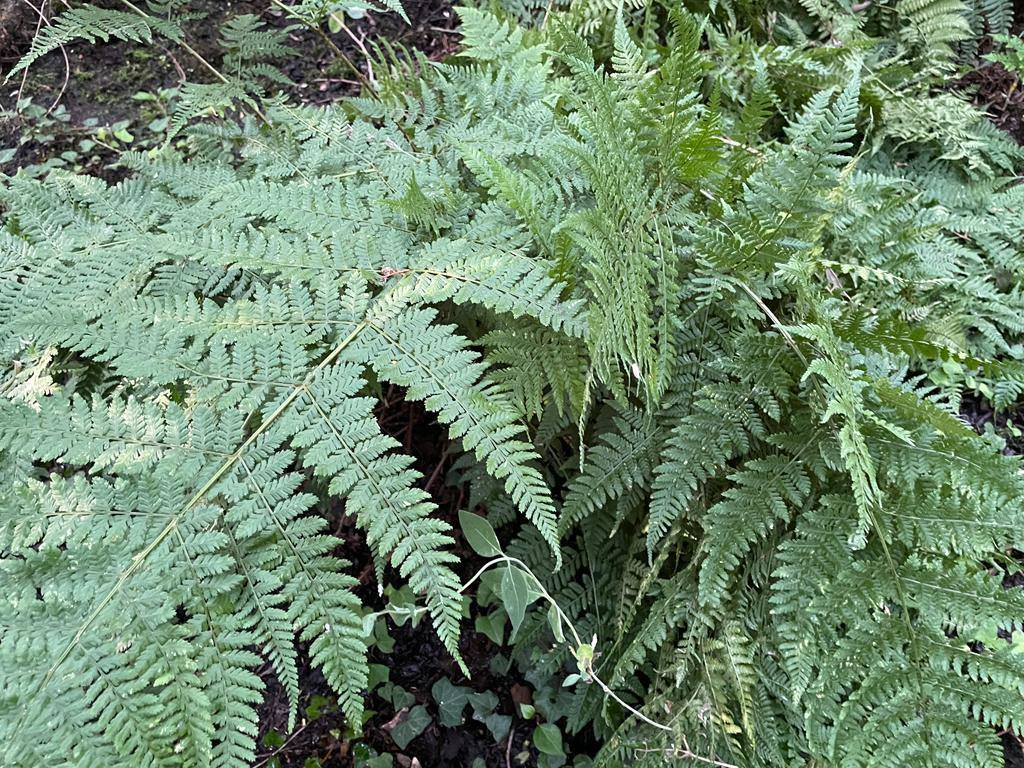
(774, 320)
(198, 57)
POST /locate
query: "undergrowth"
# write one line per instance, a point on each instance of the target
(696, 292)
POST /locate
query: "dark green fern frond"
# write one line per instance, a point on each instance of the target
(436, 366)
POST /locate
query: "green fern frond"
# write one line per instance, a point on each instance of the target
(92, 23)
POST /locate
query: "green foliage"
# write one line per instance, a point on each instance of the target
(91, 23)
(759, 534)
(1013, 55)
(683, 328)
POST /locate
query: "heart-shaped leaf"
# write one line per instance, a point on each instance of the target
(548, 739)
(451, 701)
(408, 725)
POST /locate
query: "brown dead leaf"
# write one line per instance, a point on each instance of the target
(394, 721)
(521, 694)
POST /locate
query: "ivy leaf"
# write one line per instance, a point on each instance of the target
(516, 595)
(492, 625)
(451, 701)
(273, 740)
(397, 695)
(379, 674)
(319, 706)
(484, 703)
(479, 534)
(407, 726)
(548, 739)
(498, 725)
(500, 663)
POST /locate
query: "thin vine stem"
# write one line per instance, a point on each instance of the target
(585, 660)
(335, 49)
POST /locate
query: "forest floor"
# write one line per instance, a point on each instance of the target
(416, 662)
(80, 97)
(85, 87)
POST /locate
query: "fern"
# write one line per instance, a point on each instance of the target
(92, 23)
(263, 356)
(702, 371)
(934, 25)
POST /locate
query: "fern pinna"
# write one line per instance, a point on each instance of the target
(611, 280)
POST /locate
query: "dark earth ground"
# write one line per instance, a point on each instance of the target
(97, 82)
